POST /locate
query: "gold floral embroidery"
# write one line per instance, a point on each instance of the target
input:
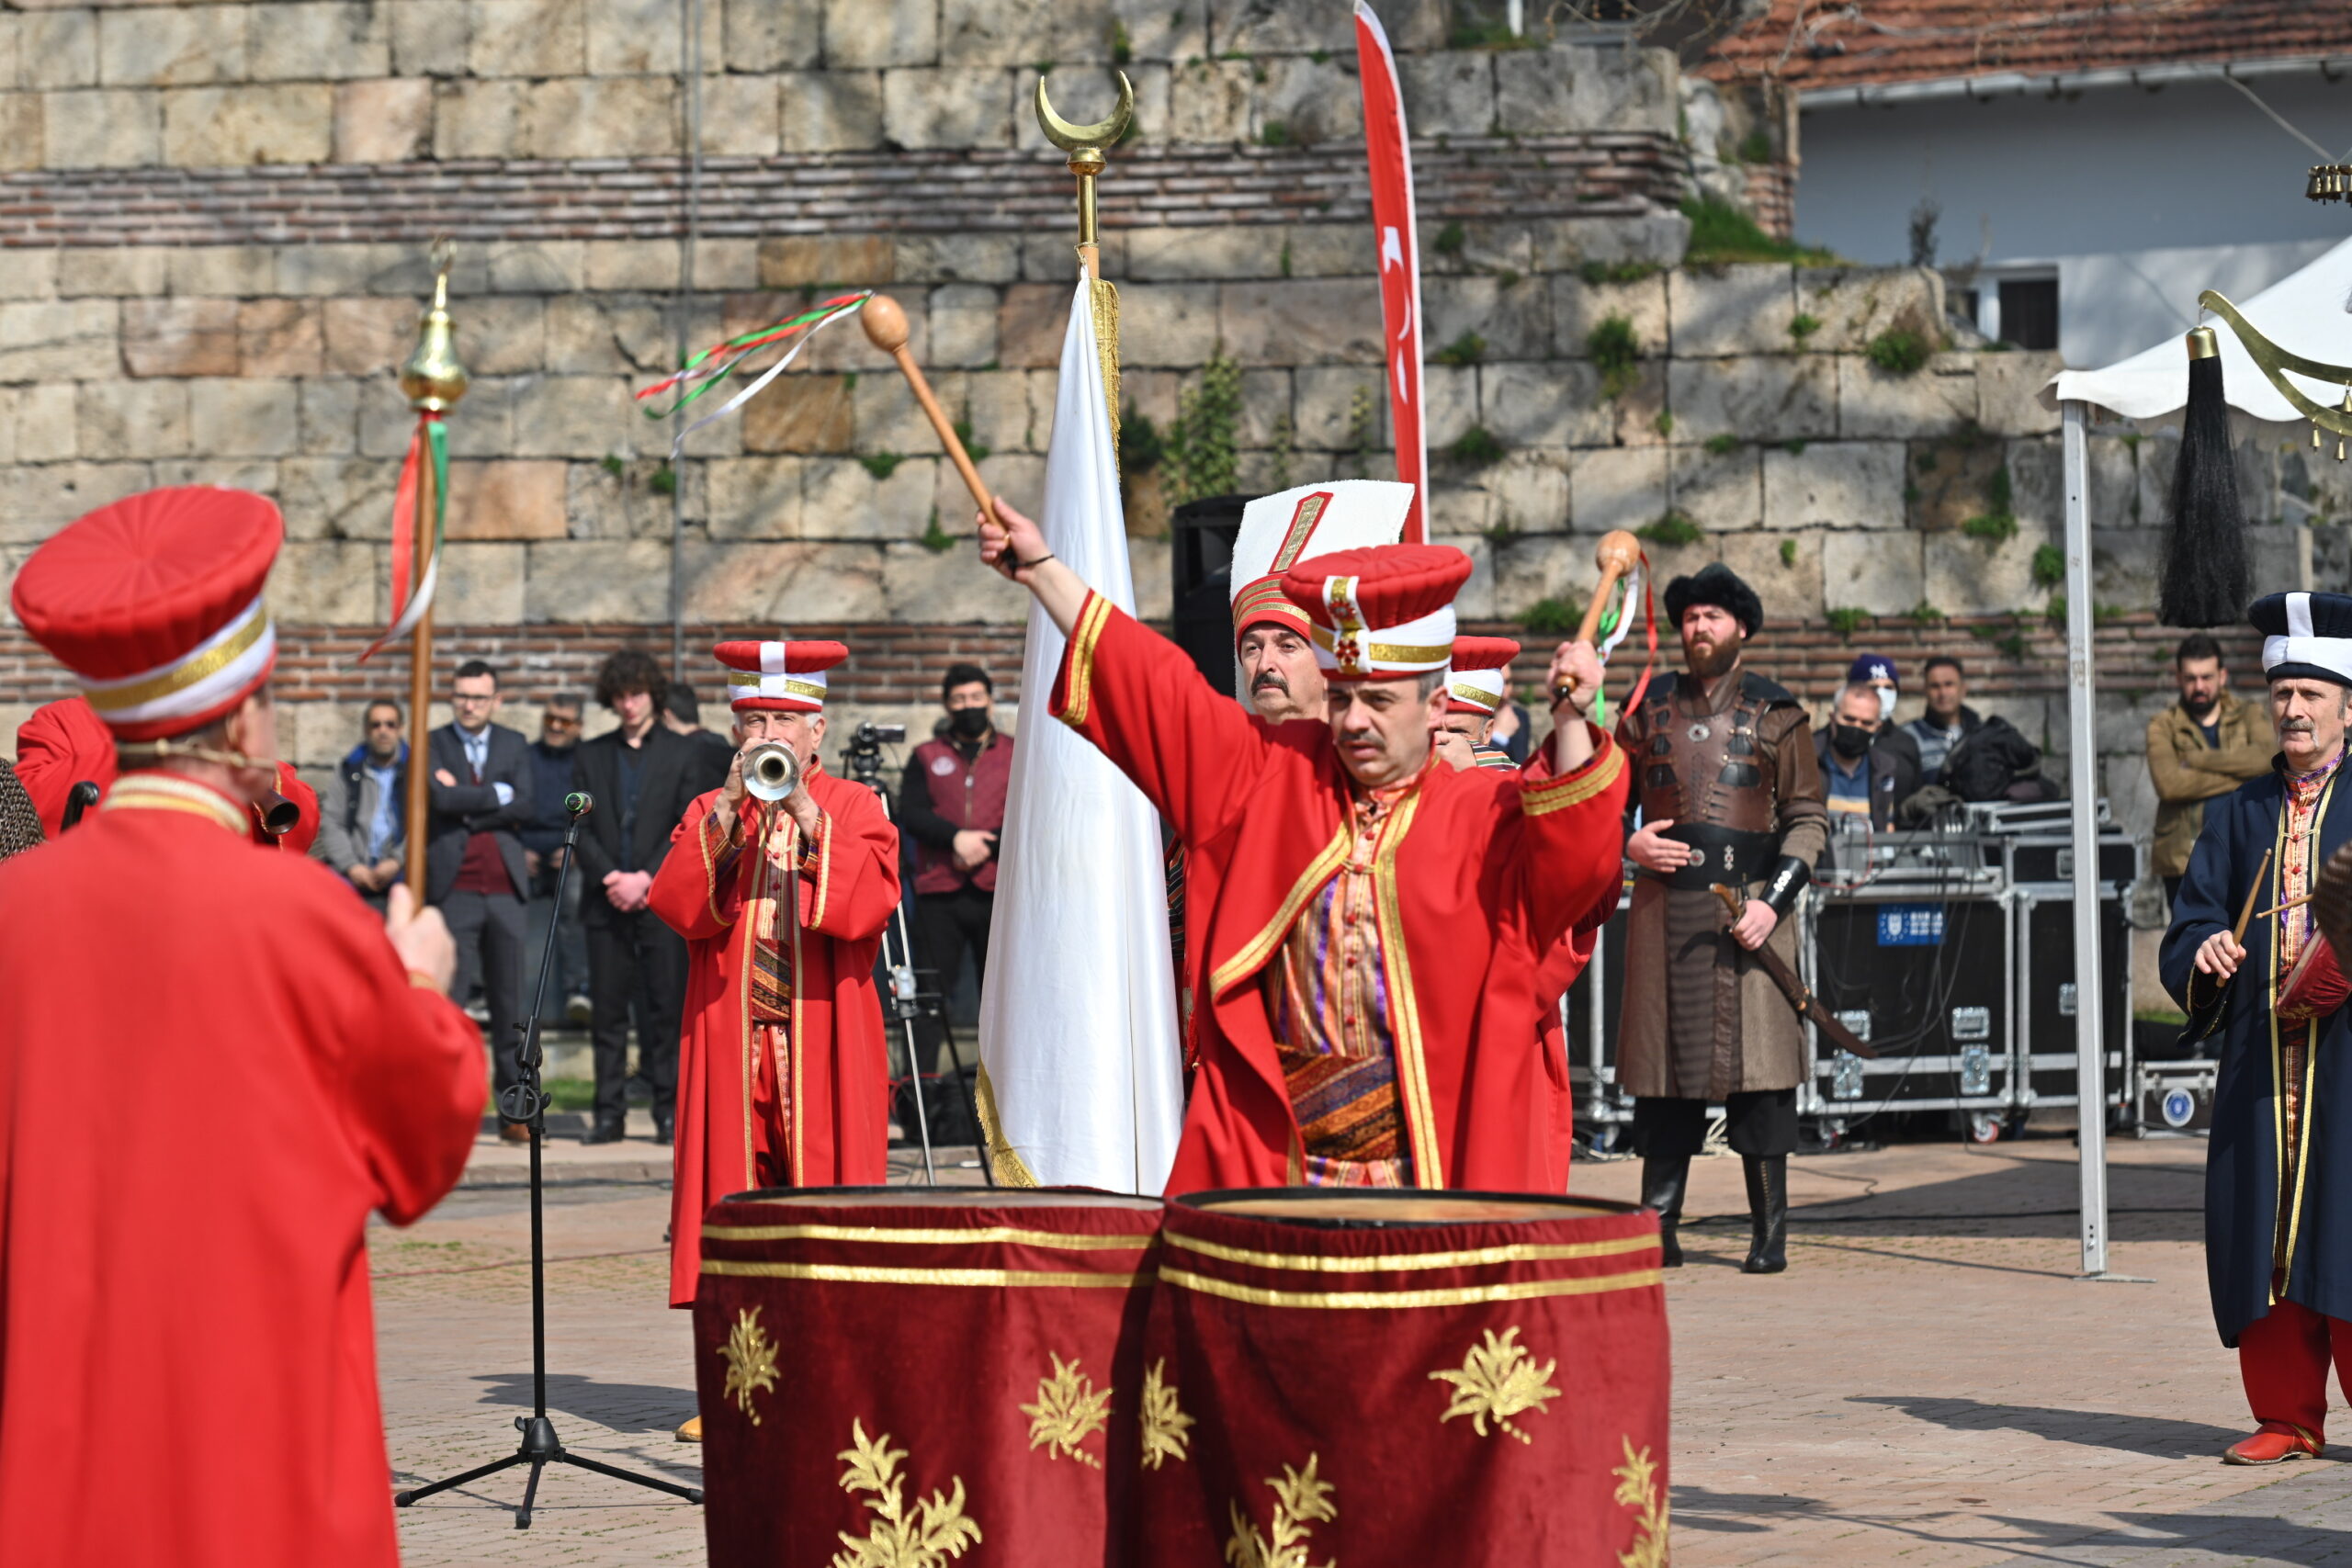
(1299, 1500)
(1067, 1412)
(1164, 1423)
(750, 1361)
(935, 1529)
(1498, 1380)
(1637, 1488)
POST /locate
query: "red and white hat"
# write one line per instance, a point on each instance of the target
(1380, 612)
(1475, 684)
(154, 603)
(778, 677)
(1281, 530)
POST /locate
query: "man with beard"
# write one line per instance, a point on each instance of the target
(1730, 794)
(2201, 748)
(1370, 1019)
(2278, 1235)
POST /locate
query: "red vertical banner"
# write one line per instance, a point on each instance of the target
(1400, 258)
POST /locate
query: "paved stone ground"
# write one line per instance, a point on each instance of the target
(1927, 1385)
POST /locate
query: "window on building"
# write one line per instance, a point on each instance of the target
(2030, 313)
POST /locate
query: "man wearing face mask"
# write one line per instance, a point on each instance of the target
(1868, 766)
(1877, 672)
(1730, 794)
(951, 802)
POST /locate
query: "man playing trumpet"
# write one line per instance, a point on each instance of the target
(780, 882)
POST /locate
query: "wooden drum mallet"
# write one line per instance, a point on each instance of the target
(886, 325)
(1617, 553)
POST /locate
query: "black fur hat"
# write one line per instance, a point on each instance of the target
(1718, 585)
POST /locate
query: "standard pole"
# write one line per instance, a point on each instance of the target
(2082, 738)
(420, 687)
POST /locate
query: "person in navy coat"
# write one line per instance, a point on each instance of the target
(2279, 1168)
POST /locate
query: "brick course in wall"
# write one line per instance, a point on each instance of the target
(1591, 175)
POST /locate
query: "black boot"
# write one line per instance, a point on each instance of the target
(1767, 1212)
(1664, 1177)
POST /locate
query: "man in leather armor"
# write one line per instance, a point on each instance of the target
(1729, 793)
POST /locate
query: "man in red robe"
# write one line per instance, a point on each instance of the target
(188, 1365)
(65, 742)
(782, 1078)
(1371, 1014)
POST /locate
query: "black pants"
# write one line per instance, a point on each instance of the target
(487, 929)
(634, 958)
(945, 927)
(1760, 1125)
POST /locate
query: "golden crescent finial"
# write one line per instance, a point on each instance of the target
(1080, 138)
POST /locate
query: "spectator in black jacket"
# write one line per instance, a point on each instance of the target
(643, 776)
(481, 797)
(1868, 766)
(715, 754)
(1948, 721)
(552, 755)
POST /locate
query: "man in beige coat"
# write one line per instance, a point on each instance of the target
(2203, 746)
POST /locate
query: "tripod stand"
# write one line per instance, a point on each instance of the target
(902, 1001)
(523, 1101)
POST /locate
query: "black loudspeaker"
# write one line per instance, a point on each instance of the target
(2047, 961)
(1201, 532)
(1925, 983)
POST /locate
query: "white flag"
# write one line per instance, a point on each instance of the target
(1080, 1068)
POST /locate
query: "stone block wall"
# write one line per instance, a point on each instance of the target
(214, 223)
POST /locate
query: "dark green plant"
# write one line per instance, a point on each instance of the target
(1663, 423)
(1756, 147)
(1274, 134)
(1802, 326)
(1501, 536)
(1278, 455)
(1552, 618)
(1899, 351)
(1794, 448)
(1475, 447)
(1998, 524)
(881, 465)
(976, 450)
(1122, 46)
(1614, 349)
(1467, 349)
(1285, 258)
(1202, 454)
(1924, 615)
(1721, 445)
(1140, 446)
(614, 465)
(663, 480)
(1672, 529)
(2048, 566)
(1846, 620)
(1721, 233)
(1363, 428)
(1451, 239)
(936, 539)
(1597, 273)
(1787, 552)
(1506, 276)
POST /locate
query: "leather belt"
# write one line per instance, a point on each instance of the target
(1723, 854)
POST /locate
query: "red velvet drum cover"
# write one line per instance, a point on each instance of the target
(900, 1377)
(1399, 1380)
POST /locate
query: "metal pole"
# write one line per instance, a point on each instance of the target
(690, 67)
(2082, 740)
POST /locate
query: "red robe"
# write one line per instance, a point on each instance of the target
(212, 1067)
(1478, 873)
(1559, 969)
(62, 743)
(840, 1109)
(65, 741)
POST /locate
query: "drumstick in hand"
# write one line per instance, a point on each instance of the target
(886, 325)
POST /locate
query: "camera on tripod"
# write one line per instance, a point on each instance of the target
(862, 758)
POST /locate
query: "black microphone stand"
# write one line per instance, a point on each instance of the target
(524, 1101)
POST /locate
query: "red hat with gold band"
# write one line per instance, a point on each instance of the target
(1381, 612)
(1476, 683)
(1281, 530)
(154, 603)
(778, 677)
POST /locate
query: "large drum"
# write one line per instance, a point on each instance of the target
(1392, 1380)
(909, 1374)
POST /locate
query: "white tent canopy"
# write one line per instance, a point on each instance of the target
(2306, 312)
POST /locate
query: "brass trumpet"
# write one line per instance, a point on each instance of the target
(771, 770)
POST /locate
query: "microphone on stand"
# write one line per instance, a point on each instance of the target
(579, 803)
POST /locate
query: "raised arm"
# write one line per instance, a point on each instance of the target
(694, 890)
(1195, 753)
(1569, 854)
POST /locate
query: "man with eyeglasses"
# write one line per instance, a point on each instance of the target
(482, 795)
(363, 829)
(553, 755)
